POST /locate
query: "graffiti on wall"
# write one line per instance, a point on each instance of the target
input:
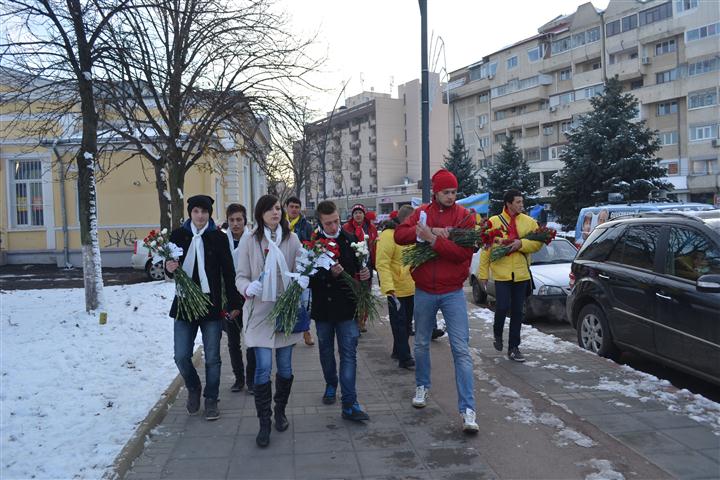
(120, 238)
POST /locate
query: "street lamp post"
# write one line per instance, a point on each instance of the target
(425, 109)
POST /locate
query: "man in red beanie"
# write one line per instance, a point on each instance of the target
(439, 286)
(361, 226)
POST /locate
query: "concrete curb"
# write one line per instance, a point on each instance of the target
(136, 444)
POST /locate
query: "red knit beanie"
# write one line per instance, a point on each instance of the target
(394, 214)
(370, 216)
(442, 180)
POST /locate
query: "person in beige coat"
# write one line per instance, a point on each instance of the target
(266, 267)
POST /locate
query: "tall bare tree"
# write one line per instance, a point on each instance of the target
(50, 51)
(193, 79)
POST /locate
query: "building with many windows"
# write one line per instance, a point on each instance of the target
(368, 151)
(667, 53)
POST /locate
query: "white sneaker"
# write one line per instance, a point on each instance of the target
(469, 424)
(420, 399)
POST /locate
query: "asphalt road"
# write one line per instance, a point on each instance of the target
(28, 277)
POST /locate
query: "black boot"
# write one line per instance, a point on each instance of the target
(282, 392)
(263, 402)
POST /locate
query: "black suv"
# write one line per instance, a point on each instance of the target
(651, 284)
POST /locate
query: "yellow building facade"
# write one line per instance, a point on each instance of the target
(39, 197)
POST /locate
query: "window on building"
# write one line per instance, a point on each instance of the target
(684, 5)
(612, 28)
(594, 91)
(629, 23)
(667, 46)
(532, 154)
(561, 45)
(593, 35)
(543, 104)
(655, 14)
(668, 138)
(484, 97)
(566, 74)
(702, 32)
(566, 98)
(500, 137)
(512, 62)
(704, 66)
(612, 58)
(516, 133)
(566, 126)
(532, 131)
(633, 55)
(482, 120)
(635, 84)
(703, 98)
(578, 39)
(488, 69)
(548, 129)
(500, 114)
(703, 132)
(666, 76)
(27, 195)
(537, 53)
(667, 108)
(699, 167)
(484, 142)
(672, 168)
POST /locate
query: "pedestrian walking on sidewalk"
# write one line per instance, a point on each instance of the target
(439, 286)
(207, 260)
(362, 228)
(267, 257)
(397, 285)
(333, 310)
(513, 280)
(236, 215)
(302, 228)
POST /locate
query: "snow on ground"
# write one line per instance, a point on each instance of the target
(632, 384)
(73, 391)
(605, 470)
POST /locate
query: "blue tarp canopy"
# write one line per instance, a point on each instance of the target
(480, 202)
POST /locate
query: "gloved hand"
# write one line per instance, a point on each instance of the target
(303, 281)
(254, 289)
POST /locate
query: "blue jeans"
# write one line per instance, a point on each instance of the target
(400, 324)
(454, 310)
(263, 363)
(347, 333)
(184, 339)
(510, 296)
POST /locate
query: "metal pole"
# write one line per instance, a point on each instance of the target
(325, 140)
(425, 109)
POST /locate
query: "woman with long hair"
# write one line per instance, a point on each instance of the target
(266, 262)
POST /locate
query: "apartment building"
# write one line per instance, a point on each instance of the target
(39, 217)
(666, 53)
(368, 150)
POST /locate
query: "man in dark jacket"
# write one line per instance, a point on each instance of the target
(207, 260)
(302, 228)
(334, 313)
(439, 286)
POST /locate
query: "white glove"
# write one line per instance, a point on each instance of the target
(303, 281)
(254, 289)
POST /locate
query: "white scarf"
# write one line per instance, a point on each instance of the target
(274, 259)
(197, 250)
(235, 251)
(327, 235)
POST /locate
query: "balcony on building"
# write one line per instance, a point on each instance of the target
(355, 175)
(355, 144)
(373, 187)
(372, 140)
(373, 156)
(354, 128)
(355, 159)
(373, 172)
(357, 190)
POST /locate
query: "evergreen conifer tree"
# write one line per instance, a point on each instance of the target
(508, 171)
(461, 165)
(608, 152)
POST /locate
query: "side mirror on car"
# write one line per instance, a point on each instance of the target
(708, 283)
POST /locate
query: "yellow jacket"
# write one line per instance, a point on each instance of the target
(514, 266)
(388, 263)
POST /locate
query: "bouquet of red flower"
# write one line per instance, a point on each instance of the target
(316, 253)
(500, 247)
(423, 252)
(192, 302)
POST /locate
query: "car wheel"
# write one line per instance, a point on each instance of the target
(593, 332)
(478, 294)
(155, 271)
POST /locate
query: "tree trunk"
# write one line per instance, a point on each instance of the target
(92, 261)
(161, 185)
(177, 195)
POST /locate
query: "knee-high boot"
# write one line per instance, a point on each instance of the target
(263, 403)
(282, 392)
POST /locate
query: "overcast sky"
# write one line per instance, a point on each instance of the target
(376, 43)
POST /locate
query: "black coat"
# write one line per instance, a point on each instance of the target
(219, 269)
(332, 299)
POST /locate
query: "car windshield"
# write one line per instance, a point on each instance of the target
(558, 251)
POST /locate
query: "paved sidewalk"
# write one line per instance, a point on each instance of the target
(542, 419)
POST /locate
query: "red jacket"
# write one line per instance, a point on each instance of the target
(449, 271)
(359, 231)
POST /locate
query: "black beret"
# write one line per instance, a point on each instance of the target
(202, 201)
